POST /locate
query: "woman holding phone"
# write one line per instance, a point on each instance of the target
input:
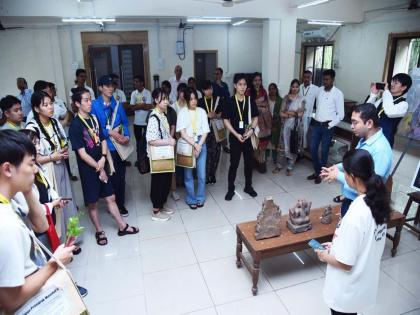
(354, 256)
(53, 150)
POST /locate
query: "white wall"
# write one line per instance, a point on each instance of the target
(48, 53)
(360, 49)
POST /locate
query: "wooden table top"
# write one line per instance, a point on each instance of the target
(287, 238)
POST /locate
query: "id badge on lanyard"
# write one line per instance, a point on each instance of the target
(241, 125)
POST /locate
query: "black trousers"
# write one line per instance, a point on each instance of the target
(213, 155)
(340, 313)
(139, 134)
(118, 179)
(345, 205)
(236, 149)
(159, 189)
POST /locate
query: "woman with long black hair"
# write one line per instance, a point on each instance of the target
(53, 149)
(354, 256)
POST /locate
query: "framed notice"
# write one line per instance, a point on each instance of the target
(416, 180)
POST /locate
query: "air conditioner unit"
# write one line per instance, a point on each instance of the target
(320, 33)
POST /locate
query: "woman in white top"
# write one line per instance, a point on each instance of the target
(354, 256)
(54, 149)
(180, 100)
(158, 134)
(193, 125)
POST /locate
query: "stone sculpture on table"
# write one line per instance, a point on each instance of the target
(299, 220)
(326, 217)
(268, 220)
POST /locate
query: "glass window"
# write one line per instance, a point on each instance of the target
(317, 58)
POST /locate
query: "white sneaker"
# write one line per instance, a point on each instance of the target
(160, 216)
(168, 210)
(175, 195)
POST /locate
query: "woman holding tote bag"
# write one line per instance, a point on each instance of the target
(193, 125)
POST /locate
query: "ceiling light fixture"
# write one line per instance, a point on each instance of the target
(87, 20)
(311, 3)
(331, 23)
(209, 20)
(239, 22)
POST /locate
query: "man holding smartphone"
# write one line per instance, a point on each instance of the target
(392, 105)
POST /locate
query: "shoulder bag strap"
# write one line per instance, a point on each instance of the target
(217, 103)
(158, 121)
(249, 110)
(114, 114)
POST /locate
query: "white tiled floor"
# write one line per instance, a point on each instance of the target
(187, 265)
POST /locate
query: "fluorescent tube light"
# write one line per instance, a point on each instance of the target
(239, 22)
(209, 20)
(332, 23)
(87, 20)
(311, 3)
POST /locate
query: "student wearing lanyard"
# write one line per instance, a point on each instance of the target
(392, 106)
(241, 127)
(21, 274)
(12, 113)
(329, 112)
(158, 133)
(213, 107)
(103, 108)
(91, 148)
(309, 92)
(193, 125)
(54, 149)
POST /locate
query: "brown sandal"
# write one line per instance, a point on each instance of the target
(101, 239)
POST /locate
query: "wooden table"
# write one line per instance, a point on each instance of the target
(288, 242)
(413, 197)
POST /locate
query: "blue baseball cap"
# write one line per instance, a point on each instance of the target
(105, 80)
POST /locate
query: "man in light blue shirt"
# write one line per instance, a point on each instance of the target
(365, 125)
(24, 96)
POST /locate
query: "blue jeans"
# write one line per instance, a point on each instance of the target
(198, 196)
(320, 134)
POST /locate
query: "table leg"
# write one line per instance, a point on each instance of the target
(238, 250)
(397, 237)
(255, 273)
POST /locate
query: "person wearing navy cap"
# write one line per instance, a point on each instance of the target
(103, 108)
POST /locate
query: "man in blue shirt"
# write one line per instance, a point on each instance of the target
(24, 96)
(365, 125)
(103, 108)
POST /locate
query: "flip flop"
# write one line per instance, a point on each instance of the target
(337, 199)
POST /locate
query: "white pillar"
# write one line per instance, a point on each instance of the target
(278, 54)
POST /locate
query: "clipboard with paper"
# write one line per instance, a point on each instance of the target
(218, 126)
(184, 154)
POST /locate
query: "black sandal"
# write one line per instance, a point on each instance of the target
(338, 199)
(193, 207)
(101, 239)
(200, 205)
(127, 232)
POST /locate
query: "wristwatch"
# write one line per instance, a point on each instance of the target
(253, 129)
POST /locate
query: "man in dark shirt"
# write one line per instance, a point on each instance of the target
(236, 112)
(220, 89)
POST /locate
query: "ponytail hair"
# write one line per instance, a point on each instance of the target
(36, 100)
(359, 164)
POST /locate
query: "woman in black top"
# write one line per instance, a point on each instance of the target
(213, 107)
(241, 126)
(91, 150)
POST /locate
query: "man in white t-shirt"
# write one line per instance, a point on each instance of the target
(174, 81)
(118, 94)
(141, 103)
(23, 268)
(309, 92)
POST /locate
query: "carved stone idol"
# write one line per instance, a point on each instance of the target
(327, 215)
(268, 220)
(299, 217)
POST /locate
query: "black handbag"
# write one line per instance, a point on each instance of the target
(294, 138)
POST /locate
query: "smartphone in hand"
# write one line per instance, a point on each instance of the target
(316, 245)
(380, 86)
